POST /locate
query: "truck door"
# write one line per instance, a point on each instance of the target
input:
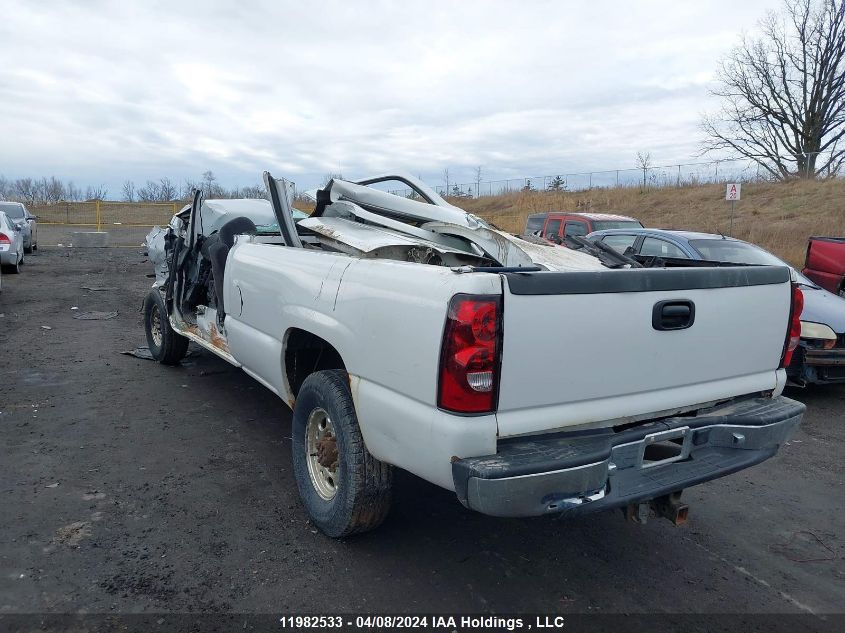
(576, 228)
(281, 193)
(552, 228)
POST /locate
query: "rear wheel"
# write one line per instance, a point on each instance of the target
(344, 488)
(166, 345)
(16, 267)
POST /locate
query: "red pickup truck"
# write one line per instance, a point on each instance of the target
(825, 263)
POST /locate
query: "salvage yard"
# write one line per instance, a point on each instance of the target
(128, 486)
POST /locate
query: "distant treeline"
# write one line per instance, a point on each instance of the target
(48, 190)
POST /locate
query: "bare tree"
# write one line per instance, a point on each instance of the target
(72, 192)
(26, 190)
(478, 181)
(150, 192)
(50, 190)
(22, 188)
(253, 191)
(784, 93)
(446, 180)
(166, 190)
(644, 163)
(210, 187)
(186, 191)
(99, 192)
(128, 191)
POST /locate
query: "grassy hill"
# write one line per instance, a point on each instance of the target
(777, 216)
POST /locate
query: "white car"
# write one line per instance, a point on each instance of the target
(528, 378)
(20, 215)
(11, 244)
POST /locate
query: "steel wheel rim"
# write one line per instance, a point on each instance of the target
(321, 453)
(155, 327)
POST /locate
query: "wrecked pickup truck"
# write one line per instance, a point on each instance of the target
(528, 378)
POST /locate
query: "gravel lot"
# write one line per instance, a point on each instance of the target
(126, 486)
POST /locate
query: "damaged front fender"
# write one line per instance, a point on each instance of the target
(155, 243)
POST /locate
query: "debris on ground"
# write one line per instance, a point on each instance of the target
(74, 308)
(98, 289)
(140, 352)
(213, 373)
(145, 354)
(95, 316)
(46, 327)
(55, 485)
(73, 533)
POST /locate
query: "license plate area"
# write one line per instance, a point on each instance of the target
(665, 447)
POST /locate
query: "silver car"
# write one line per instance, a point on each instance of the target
(11, 244)
(20, 215)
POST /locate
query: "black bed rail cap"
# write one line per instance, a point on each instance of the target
(644, 280)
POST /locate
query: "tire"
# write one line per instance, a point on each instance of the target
(27, 249)
(363, 486)
(166, 345)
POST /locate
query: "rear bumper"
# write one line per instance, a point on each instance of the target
(569, 473)
(825, 357)
(818, 366)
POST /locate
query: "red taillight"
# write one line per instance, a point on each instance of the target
(469, 356)
(4, 239)
(793, 334)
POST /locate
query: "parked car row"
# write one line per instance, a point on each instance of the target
(820, 357)
(20, 216)
(11, 245)
(18, 235)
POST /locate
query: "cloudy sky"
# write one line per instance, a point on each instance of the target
(98, 92)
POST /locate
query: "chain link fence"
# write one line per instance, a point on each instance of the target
(126, 224)
(679, 175)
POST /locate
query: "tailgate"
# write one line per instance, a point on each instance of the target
(584, 347)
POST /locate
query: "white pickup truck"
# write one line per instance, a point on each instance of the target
(529, 378)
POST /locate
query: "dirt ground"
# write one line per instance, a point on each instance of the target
(126, 486)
